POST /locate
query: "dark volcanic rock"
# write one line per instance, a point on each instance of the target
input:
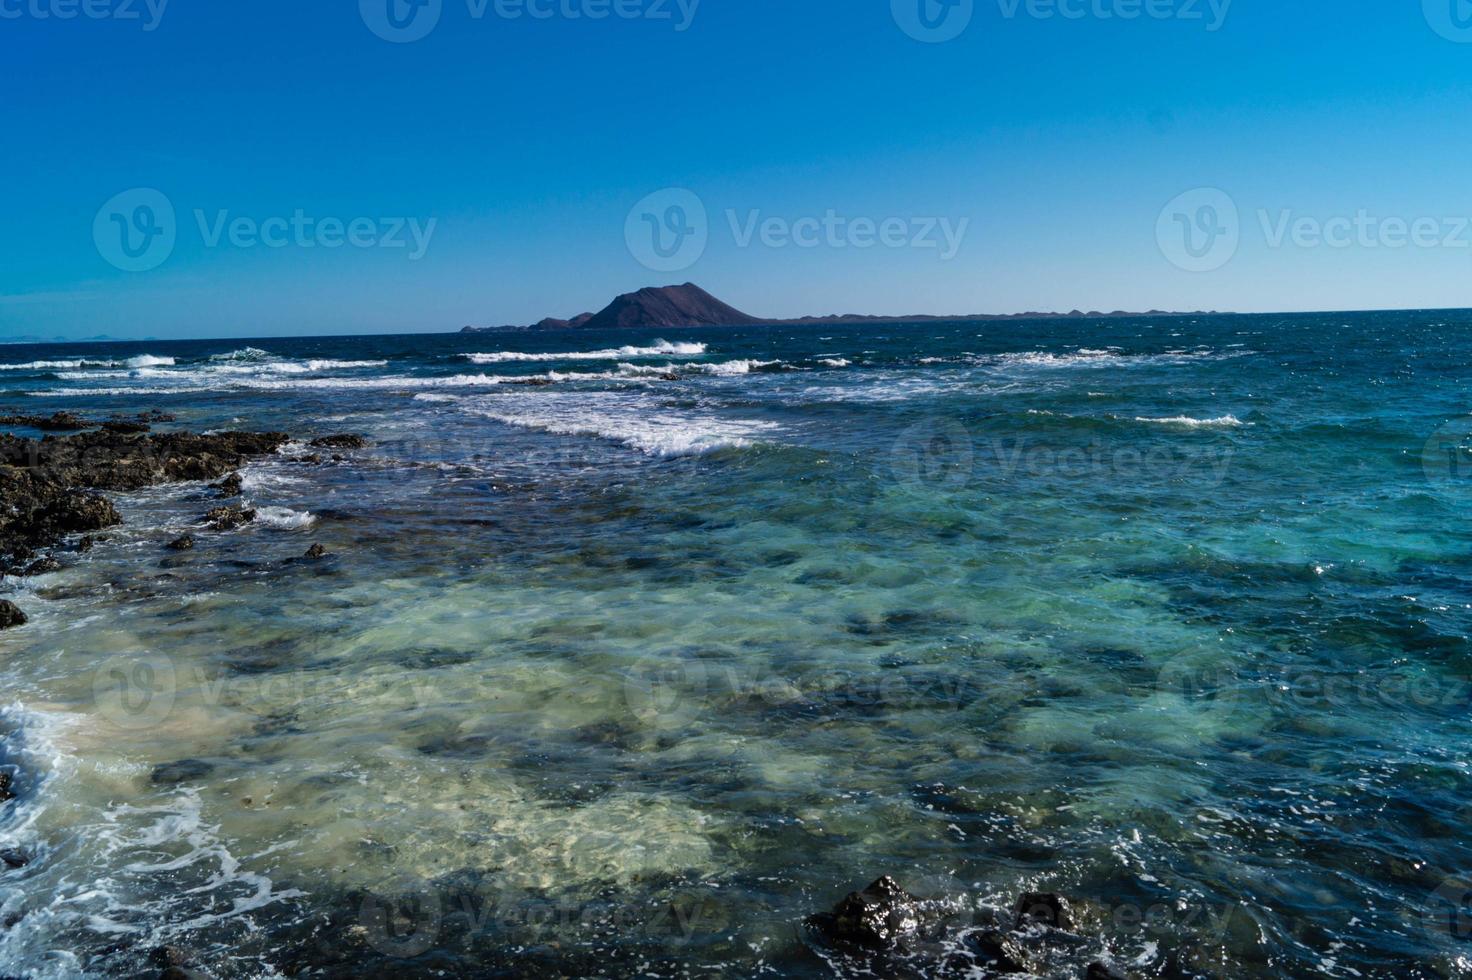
(76, 511)
(231, 486)
(229, 518)
(345, 440)
(316, 551)
(997, 952)
(41, 566)
(183, 771)
(10, 615)
(13, 859)
(186, 543)
(668, 306)
(44, 483)
(877, 917)
(126, 427)
(59, 422)
(1045, 909)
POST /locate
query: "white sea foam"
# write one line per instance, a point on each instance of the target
(732, 368)
(660, 348)
(1224, 422)
(835, 362)
(642, 423)
(1086, 357)
(285, 518)
(148, 361)
(56, 365)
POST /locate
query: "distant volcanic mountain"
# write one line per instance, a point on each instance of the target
(662, 307)
(669, 306)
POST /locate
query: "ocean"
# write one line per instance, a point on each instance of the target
(632, 650)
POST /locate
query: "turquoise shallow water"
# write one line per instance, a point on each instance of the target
(626, 673)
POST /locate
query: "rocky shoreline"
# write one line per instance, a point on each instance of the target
(51, 489)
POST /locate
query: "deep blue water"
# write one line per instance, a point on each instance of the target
(1168, 615)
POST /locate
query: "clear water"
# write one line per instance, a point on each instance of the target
(625, 675)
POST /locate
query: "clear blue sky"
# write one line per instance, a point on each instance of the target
(528, 140)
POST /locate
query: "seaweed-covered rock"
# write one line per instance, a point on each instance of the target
(346, 440)
(56, 422)
(878, 917)
(48, 487)
(316, 551)
(79, 511)
(229, 518)
(183, 771)
(186, 543)
(41, 566)
(231, 486)
(10, 615)
(126, 427)
(1044, 909)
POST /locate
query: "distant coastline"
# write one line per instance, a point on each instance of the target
(687, 305)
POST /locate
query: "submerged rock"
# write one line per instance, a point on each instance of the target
(229, 518)
(316, 551)
(1098, 971)
(183, 771)
(186, 543)
(10, 615)
(1044, 909)
(6, 793)
(346, 440)
(998, 952)
(13, 859)
(878, 917)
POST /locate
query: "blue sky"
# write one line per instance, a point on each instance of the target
(1052, 146)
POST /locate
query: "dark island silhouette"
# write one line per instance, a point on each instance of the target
(657, 307)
